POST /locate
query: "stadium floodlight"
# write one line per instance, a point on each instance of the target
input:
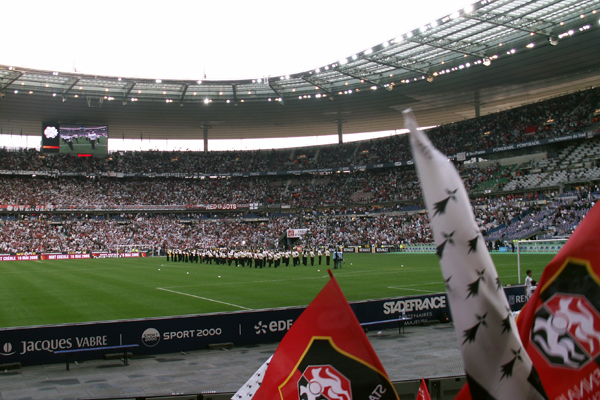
(487, 62)
(553, 40)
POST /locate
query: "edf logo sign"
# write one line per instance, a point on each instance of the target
(273, 326)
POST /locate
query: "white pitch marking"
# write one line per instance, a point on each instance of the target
(203, 298)
(414, 290)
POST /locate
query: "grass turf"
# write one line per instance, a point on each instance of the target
(53, 292)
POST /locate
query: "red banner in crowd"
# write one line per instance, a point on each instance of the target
(26, 207)
(64, 256)
(57, 256)
(7, 257)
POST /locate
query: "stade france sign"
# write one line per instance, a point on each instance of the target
(37, 345)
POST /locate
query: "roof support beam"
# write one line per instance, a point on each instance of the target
(184, 89)
(445, 44)
(362, 76)
(398, 63)
(16, 76)
(73, 83)
(277, 89)
(234, 88)
(518, 23)
(128, 88)
(320, 83)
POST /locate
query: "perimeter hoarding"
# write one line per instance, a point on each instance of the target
(36, 345)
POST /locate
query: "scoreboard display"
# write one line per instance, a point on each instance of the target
(77, 139)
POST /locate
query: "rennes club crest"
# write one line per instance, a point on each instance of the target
(325, 372)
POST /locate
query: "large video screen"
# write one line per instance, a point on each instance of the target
(75, 139)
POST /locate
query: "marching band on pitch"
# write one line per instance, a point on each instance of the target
(258, 258)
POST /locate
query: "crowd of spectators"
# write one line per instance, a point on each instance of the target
(376, 207)
(506, 218)
(555, 117)
(304, 191)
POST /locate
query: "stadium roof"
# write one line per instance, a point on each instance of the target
(494, 55)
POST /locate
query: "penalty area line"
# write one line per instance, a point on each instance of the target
(203, 298)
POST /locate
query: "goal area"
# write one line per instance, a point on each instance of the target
(550, 246)
(149, 249)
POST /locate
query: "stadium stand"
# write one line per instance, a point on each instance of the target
(124, 198)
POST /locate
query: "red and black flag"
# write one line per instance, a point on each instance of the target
(560, 324)
(326, 356)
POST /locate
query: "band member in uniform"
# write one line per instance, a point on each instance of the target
(327, 255)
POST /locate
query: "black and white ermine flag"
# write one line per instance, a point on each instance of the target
(496, 364)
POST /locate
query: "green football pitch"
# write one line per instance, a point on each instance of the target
(54, 292)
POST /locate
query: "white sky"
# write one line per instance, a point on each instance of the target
(226, 39)
(183, 39)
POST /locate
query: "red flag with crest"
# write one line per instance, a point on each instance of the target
(325, 356)
(560, 324)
